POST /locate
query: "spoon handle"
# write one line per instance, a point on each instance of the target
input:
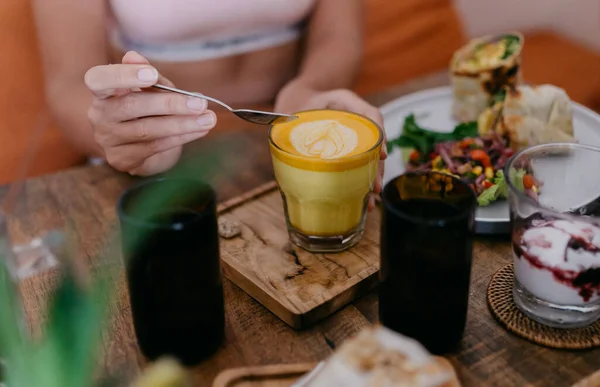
(174, 90)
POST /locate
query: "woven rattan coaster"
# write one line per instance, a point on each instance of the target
(503, 308)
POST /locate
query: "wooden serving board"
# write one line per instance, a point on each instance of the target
(280, 375)
(284, 375)
(297, 286)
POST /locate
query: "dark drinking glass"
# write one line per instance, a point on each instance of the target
(171, 250)
(426, 252)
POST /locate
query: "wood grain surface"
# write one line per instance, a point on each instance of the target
(297, 286)
(85, 197)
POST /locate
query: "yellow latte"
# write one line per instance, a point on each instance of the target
(325, 163)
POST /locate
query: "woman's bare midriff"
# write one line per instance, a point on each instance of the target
(247, 80)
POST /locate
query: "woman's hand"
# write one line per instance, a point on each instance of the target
(142, 131)
(295, 97)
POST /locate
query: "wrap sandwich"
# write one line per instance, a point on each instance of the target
(529, 115)
(480, 69)
(379, 357)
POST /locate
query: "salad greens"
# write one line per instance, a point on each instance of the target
(424, 140)
(477, 160)
(498, 97)
(512, 44)
(498, 191)
(517, 178)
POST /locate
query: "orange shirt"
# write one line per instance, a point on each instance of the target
(22, 99)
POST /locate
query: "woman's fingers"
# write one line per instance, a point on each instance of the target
(132, 57)
(105, 80)
(141, 104)
(154, 128)
(347, 100)
(134, 73)
(376, 191)
(371, 205)
(378, 184)
(142, 132)
(129, 156)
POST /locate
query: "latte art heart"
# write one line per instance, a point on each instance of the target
(325, 139)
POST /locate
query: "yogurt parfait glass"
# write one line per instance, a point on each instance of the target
(554, 196)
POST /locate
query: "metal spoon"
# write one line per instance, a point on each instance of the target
(254, 116)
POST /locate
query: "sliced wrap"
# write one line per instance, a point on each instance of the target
(380, 357)
(531, 116)
(481, 69)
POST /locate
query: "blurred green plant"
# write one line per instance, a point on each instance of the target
(61, 357)
(67, 352)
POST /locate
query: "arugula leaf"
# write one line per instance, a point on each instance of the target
(423, 140)
(512, 45)
(464, 130)
(498, 97)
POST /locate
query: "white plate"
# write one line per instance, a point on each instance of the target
(432, 108)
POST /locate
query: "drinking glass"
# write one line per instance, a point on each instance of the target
(426, 253)
(171, 250)
(325, 199)
(17, 263)
(554, 196)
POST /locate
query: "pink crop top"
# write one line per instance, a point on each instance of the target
(195, 30)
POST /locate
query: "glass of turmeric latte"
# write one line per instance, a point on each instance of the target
(325, 164)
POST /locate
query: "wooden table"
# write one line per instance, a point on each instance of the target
(86, 196)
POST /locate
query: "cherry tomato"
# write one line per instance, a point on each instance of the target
(508, 152)
(487, 184)
(415, 155)
(528, 181)
(466, 142)
(482, 157)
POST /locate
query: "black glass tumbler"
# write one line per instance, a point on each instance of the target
(171, 250)
(426, 252)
